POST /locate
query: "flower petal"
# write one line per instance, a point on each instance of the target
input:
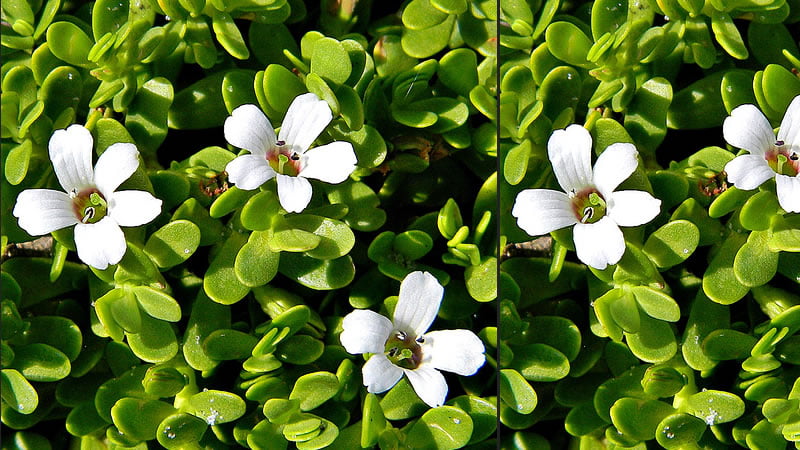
(114, 166)
(248, 128)
(748, 171)
(331, 163)
(41, 211)
(788, 192)
(457, 351)
(540, 211)
(365, 331)
(294, 193)
(71, 153)
(306, 118)
(570, 152)
(747, 128)
(790, 125)
(633, 208)
(599, 244)
(614, 166)
(100, 244)
(133, 208)
(248, 172)
(429, 384)
(380, 374)
(420, 297)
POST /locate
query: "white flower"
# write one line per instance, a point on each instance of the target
(288, 156)
(403, 346)
(91, 202)
(748, 129)
(590, 202)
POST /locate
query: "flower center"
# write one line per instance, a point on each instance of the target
(588, 205)
(783, 160)
(89, 205)
(283, 160)
(403, 350)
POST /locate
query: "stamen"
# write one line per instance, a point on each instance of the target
(588, 212)
(88, 214)
(280, 143)
(73, 193)
(421, 340)
(794, 156)
(779, 143)
(295, 156)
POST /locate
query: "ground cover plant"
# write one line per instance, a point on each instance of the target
(196, 194)
(642, 177)
(419, 224)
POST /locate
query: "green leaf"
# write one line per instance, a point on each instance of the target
(318, 274)
(256, 264)
(657, 304)
(40, 362)
(180, 430)
(138, 418)
(221, 283)
(679, 431)
(156, 341)
(655, 342)
(720, 282)
(173, 243)
(17, 392)
(755, 264)
(330, 61)
(568, 43)
(445, 427)
(373, 422)
(227, 344)
(215, 407)
(540, 362)
(314, 389)
(69, 43)
(516, 392)
(672, 243)
(157, 304)
(715, 407)
(147, 115)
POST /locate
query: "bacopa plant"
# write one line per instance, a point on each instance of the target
(427, 224)
(196, 194)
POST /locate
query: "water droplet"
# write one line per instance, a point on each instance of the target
(713, 417)
(686, 251)
(170, 435)
(186, 251)
(670, 435)
(212, 418)
(456, 421)
(20, 407)
(70, 76)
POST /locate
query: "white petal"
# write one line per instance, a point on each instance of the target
(599, 244)
(748, 171)
(248, 128)
(294, 193)
(570, 152)
(71, 153)
(790, 126)
(788, 192)
(380, 374)
(100, 244)
(248, 172)
(331, 163)
(614, 166)
(633, 208)
(747, 128)
(114, 166)
(41, 211)
(306, 118)
(418, 303)
(457, 351)
(540, 211)
(429, 384)
(365, 331)
(133, 208)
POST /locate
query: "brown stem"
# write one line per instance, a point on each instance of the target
(42, 247)
(539, 247)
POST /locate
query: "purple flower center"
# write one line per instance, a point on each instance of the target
(89, 205)
(588, 205)
(403, 350)
(283, 160)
